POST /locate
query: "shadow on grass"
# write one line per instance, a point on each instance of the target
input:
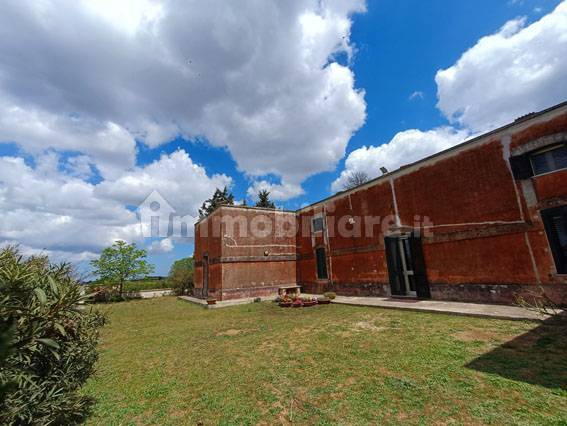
(537, 357)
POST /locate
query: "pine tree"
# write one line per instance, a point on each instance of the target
(264, 200)
(219, 198)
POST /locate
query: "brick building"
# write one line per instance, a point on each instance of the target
(481, 222)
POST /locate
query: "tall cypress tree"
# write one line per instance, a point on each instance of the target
(219, 198)
(264, 200)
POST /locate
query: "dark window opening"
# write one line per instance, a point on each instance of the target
(317, 224)
(551, 159)
(555, 221)
(321, 263)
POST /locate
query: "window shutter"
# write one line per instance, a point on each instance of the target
(394, 266)
(521, 167)
(419, 271)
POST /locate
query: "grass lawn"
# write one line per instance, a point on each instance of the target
(165, 361)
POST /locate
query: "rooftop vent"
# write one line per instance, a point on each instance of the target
(524, 117)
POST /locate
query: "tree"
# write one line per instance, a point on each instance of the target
(264, 200)
(48, 347)
(356, 179)
(219, 198)
(181, 275)
(121, 262)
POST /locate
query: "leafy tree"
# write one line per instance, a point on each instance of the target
(356, 179)
(48, 346)
(181, 275)
(219, 198)
(121, 262)
(264, 200)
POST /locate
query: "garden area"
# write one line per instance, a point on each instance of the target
(165, 361)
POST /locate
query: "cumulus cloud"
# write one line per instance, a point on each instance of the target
(279, 192)
(258, 78)
(83, 81)
(518, 70)
(405, 148)
(164, 245)
(176, 177)
(44, 209)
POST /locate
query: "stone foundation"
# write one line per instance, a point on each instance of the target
(351, 289)
(497, 293)
(242, 293)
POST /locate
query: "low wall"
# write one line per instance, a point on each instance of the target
(149, 294)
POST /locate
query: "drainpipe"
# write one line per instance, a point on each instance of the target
(328, 247)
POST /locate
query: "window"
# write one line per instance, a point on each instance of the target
(321, 263)
(555, 221)
(317, 224)
(551, 159)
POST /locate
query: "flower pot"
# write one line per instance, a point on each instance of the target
(211, 302)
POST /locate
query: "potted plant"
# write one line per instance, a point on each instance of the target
(297, 303)
(211, 300)
(285, 302)
(309, 302)
(330, 294)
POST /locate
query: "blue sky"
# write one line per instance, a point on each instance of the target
(400, 47)
(82, 144)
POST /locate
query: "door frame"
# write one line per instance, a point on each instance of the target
(205, 291)
(399, 267)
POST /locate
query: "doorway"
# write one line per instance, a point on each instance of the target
(205, 275)
(406, 266)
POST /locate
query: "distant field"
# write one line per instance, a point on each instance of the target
(144, 284)
(168, 362)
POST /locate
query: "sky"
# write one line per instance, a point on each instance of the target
(102, 103)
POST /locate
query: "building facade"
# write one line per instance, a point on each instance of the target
(485, 221)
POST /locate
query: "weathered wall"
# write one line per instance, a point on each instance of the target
(483, 236)
(207, 242)
(256, 251)
(485, 231)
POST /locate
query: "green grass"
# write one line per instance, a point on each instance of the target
(165, 361)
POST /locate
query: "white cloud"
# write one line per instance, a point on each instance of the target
(405, 147)
(256, 77)
(183, 183)
(416, 95)
(278, 192)
(518, 70)
(165, 245)
(43, 208)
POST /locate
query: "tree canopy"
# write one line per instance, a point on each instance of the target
(121, 262)
(219, 198)
(181, 274)
(264, 200)
(356, 179)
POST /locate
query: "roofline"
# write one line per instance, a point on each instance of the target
(520, 121)
(517, 122)
(265, 209)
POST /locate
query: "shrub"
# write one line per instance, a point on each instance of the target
(54, 343)
(181, 276)
(330, 295)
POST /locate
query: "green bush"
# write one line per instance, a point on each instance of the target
(330, 295)
(181, 276)
(53, 343)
